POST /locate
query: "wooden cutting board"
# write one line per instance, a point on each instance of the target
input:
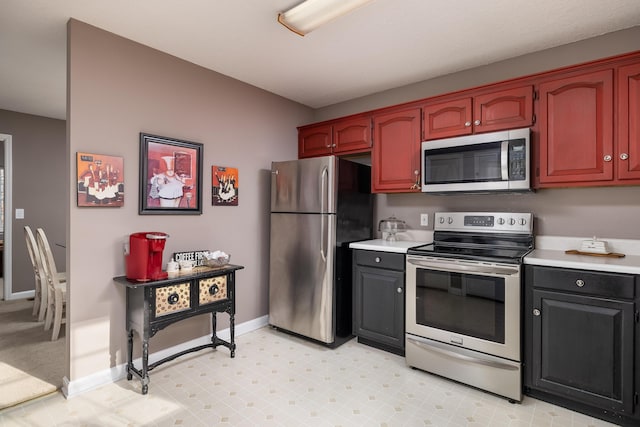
(609, 255)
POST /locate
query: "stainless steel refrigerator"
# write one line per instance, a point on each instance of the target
(318, 206)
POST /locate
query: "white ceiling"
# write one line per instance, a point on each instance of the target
(385, 44)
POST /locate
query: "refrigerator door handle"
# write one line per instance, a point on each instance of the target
(324, 196)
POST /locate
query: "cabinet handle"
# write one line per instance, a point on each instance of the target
(378, 259)
(173, 299)
(624, 156)
(477, 122)
(607, 158)
(213, 289)
(399, 290)
(467, 124)
(416, 185)
(536, 312)
(580, 283)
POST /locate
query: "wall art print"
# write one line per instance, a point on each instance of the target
(225, 185)
(100, 180)
(170, 176)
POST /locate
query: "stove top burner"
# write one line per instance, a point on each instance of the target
(492, 254)
(493, 237)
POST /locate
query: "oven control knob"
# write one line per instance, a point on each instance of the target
(522, 221)
(450, 220)
(441, 220)
(512, 221)
(500, 221)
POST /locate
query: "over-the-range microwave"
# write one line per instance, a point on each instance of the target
(496, 161)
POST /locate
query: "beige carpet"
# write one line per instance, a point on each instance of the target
(31, 365)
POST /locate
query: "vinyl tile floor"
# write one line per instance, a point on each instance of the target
(280, 380)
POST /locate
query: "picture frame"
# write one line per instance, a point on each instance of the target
(100, 180)
(225, 186)
(170, 176)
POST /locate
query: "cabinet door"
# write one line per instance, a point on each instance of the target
(395, 161)
(576, 129)
(506, 109)
(352, 135)
(583, 349)
(629, 122)
(446, 119)
(379, 305)
(314, 141)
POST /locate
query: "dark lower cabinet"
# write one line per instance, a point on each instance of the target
(378, 279)
(581, 339)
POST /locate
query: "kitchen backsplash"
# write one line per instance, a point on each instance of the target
(606, 212)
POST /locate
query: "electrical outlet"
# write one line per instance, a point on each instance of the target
(424, 219)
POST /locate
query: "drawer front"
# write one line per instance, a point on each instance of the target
(173, 298)
(604, 284)
(388, 260)
(212, 289)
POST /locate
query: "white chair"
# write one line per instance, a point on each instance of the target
(40, 299)
(57, 287)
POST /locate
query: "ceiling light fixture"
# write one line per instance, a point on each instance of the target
(311, 14)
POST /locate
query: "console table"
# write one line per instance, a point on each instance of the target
(154, 305)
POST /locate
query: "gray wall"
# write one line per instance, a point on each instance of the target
(38, 187)
(612, 212)
(117, 89)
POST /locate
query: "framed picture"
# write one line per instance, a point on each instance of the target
(170, 176)
(100, 180)
(225, 185)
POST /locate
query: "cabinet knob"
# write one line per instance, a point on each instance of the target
(467, 124)
(399, 290)
(328, 145)
(378, 259)
(477, 122)
(173, 298)
(536, 312)
(580, 283)
(624, 156)
(333, 145)
(213, 289)
(607, 158)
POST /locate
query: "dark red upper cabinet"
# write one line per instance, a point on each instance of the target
(314, 141)
(447, 119)
(576, 128)
(506, 109)
(352, 135)
(628, 154)
(395, 161)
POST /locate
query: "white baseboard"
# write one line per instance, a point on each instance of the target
(81, 385)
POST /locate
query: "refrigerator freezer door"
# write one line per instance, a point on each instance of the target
(301, 285)
(306, 185)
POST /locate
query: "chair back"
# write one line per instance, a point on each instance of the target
(40, 301)
(48, 263)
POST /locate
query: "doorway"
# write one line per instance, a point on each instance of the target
(6, 222)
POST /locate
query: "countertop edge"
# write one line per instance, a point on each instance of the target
(556, 258)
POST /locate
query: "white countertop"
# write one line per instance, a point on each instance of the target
(399, 246)
(550, 251)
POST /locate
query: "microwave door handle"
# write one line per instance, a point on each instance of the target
(504, 160)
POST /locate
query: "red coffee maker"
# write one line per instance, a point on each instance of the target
(143, 259)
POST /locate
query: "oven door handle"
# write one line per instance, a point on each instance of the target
(435, 348)
(457, 267)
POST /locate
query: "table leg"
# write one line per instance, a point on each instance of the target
(145, 366)
(232, 329)
(130, 354)
(214, 324)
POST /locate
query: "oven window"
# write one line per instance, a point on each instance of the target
(465, 304)
(471, 163)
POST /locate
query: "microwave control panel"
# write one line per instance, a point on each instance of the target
(517, 160)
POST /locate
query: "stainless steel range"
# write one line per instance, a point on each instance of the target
(463, 299)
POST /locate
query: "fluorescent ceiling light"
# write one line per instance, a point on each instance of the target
(311, 14)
